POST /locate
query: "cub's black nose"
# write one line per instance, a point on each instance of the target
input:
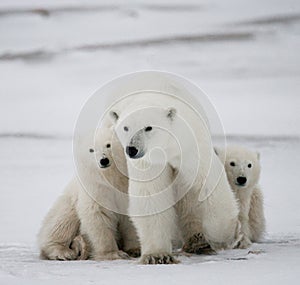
(104, 161)
(131, 151)
(241, 180)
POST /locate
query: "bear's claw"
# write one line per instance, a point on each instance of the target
(62, 253)
(78, 250)
(243, 243)
(197, 244)
(158, 258)
(134, 252)
(80, 246)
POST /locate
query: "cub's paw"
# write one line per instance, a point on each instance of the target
(243, 243)
(134, 252)
(197, 244)
(158, 258)
(111, 255)
(80, 247)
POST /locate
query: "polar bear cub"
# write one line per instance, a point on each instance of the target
(243, 170)
(84, 222)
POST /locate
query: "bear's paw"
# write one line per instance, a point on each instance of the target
(134, 252)
(80, 247)
(197, 244)
(243, 243)
(158, 258)
(111, 255)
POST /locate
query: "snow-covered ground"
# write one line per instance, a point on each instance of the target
(54, 54)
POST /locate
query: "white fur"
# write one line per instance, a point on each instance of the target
(61, 227)
(191, 172)
(242, 162)
(87, 208)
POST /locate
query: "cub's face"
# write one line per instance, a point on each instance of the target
(242, 167)
(104, 155)
(107, 149)
(102, 147)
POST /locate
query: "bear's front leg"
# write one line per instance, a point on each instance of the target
(257, 222)
(155, 234)
(244, 198)
(130, 241)
(151, 208)
(99, 228)
(190, 223)
(245, 241)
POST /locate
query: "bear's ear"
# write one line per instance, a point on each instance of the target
(258, 155)
(114, 116)
(217, 151)
(171, 113)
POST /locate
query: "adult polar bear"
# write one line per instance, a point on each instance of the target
(174, 175)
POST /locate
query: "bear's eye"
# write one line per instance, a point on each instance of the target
(108, 145)
(126, 129)
(91, 150)
(232, 163)
(249, 165)
(148, 129)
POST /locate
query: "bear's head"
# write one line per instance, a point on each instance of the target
(107, 151)
(104, 153)
(143, 129)
(101, 167)
(242, 166)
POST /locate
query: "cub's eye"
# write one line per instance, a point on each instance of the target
(108, 145)
(126, 129)
(232, 163)
(249, 165)
(91, 150)
(148, 129)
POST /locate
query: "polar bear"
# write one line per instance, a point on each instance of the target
(79, 226)
(243, 170)
(175, 178)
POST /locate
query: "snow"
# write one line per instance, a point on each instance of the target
(243, 54)
(263, 264)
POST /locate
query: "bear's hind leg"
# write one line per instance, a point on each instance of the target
(60, 227)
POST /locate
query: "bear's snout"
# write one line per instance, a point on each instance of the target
(104, 162)
(241, 180)
(131, 151)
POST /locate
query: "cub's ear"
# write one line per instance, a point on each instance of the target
(217, 151)
(221, 153)
(258, 155)
(171, 113)
(114, 116)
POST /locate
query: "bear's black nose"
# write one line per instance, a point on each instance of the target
(104, 161)
(241, 180)
(131, 151)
